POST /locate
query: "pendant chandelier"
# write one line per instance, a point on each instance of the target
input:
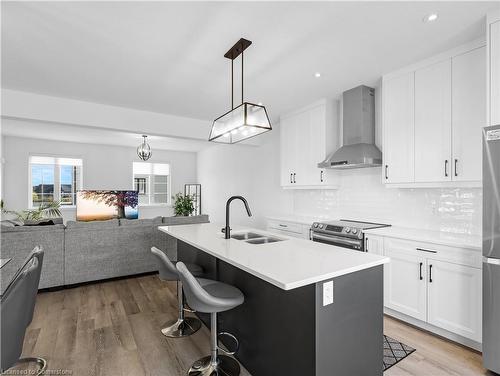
(245, 120)
(144, 150)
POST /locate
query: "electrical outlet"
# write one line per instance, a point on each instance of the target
(327, 293)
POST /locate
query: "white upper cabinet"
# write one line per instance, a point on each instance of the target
(398, 142)
(433, 122)
(307, 136)
(433, 112)
(493, 27)
(468, 114)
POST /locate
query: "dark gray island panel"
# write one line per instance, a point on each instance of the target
(290, 332)
(349, 332)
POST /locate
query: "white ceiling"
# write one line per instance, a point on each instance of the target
(93, 135)
(168, 57)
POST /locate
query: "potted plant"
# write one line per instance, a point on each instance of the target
(183, 204)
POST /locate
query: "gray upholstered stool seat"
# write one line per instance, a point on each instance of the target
(209, 296)
(183, 326)
(220, 290)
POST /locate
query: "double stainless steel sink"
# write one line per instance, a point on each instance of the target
(255, 238)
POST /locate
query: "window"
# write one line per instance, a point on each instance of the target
(152, 181)
(54, 179)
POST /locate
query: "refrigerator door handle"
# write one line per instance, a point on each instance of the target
(490, 260)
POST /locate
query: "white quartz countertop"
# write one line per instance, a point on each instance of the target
(287, 264)
(436, 237)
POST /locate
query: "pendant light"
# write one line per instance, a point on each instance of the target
(144, 150)
(243, 121)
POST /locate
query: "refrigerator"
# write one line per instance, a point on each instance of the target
(491, 248)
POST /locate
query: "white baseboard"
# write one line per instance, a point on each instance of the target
(434, 329)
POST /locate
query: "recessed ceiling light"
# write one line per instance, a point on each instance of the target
(317, 74)
(431, 17)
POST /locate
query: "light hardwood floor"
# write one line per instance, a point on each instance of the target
(112, 329)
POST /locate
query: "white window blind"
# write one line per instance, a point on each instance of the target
(152, 181)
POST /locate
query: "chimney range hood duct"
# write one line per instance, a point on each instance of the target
(358, 130)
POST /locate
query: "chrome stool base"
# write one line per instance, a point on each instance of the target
(42, 363)
(181, 327)
(226, 366)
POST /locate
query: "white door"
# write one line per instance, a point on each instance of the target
(374, 244)
(317, 145)
(398, 129)
(300, 149)
(288, 137)
(455, 298)
(405, 284)
(468, 114)
(433, 123)
(494, 63)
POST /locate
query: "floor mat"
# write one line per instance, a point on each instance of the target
(394, 351)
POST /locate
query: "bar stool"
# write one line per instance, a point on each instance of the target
(208, 296)
(183, 326)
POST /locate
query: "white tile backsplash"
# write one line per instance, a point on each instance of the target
(362, 196)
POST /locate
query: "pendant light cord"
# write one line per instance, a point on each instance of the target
(232, 79)
(232, 86)
(242, 52)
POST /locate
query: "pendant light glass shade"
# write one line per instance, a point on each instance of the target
(243, 122)
(144, 150)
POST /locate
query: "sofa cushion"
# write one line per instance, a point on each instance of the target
(135, 222)
(111, 223)
(30, 228)
(181, 220)
(17, 242)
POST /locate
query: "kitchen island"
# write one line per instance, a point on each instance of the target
(310, 308)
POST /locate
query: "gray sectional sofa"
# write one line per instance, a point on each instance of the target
(90, 251)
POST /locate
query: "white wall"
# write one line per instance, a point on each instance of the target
(362, 196)
(254, 172)
(104, 167)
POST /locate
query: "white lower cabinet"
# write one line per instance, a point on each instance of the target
(405, 284)
(288, 228)
(454, 295)
(438, 285)
(374, 244)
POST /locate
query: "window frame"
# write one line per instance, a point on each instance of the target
(57, 178)
(150, 184)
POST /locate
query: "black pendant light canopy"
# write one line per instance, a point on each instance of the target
(144, 150)
(245, 120)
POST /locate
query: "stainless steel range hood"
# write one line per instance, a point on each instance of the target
(358, 130)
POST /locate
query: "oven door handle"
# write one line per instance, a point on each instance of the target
(337, 239)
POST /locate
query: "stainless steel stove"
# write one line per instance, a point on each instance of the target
(343, 233)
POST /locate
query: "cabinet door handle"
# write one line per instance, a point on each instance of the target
(294, 175)
(426, 250)
(321, 176)
(446, 168)
(430, 273)
(291, 178)
(456, 163)
(421, 264)
(386, 175)
(366, 245)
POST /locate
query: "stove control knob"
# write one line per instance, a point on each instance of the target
(354, 231)
(315, 225)
(347, 230)
(320, 225)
